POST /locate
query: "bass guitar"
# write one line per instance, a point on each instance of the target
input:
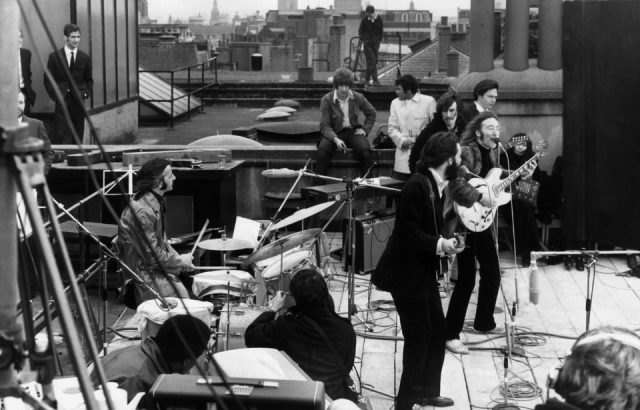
(478, 217)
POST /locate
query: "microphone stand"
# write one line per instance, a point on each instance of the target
(351, 186)
(593, 256)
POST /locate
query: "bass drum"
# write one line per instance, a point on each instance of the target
(239, 320)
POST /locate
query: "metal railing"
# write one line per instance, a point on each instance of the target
(212, 63)
(356, 64)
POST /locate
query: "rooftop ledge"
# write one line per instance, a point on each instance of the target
(530, 84)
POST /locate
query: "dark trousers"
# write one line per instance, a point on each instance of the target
(526, 229)
(62, 133)
(371, 57)
(424, 329)
(358, 143)
(480, 245)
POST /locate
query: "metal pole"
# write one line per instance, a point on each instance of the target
(9, 18)
(171, 119)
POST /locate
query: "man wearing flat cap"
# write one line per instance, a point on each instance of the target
(485, 95)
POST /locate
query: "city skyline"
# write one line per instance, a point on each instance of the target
(160, 10)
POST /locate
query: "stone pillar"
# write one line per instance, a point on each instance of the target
(550, 35)
(481, 32)
(516, 42)
(336, 39)
(444, 44)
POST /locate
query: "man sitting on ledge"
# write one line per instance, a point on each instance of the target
(340, 126)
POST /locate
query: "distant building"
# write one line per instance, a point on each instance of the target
(196, 20)
(166, 33)
(347, 6)
(412, 25)
(251, 25)
(287, 5)
(215, 16)
(143, 11)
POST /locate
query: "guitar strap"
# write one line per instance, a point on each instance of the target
(443, 266)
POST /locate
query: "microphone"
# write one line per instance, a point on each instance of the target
(280, 173)
(534, 291)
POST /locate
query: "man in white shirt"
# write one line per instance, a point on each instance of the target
(408, 115)
(79, 65)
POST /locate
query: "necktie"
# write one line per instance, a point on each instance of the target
(72, 62)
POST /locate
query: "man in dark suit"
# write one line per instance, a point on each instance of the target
(36, 129)
(485, 95)
(79, 65)
(370, 31)
(408, 268)
(24, 76)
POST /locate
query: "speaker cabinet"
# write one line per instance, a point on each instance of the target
(371, 236)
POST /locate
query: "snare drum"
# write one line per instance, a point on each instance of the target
(210, 283)
(288, 265)
(240, 319)
(153, 316)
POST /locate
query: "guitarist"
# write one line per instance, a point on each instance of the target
(479, 155)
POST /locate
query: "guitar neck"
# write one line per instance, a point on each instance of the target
(515, 174)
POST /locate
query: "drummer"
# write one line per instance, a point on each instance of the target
(142, 238)
(321, 342)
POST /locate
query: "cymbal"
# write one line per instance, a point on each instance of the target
(282, 245)
(302, 214)
(228, 275)
(224, 244)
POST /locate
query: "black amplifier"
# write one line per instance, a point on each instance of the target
(177, 390)
(371, 236)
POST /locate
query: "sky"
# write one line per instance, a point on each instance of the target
(161, 9)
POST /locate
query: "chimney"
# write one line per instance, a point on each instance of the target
(453, 64)
(444, 44)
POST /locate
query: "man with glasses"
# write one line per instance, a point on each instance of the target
(479, 155)
(142, 237)
(485, 95)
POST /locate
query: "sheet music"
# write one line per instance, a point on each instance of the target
(247, 230)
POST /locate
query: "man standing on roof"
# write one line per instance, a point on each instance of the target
(370, 33)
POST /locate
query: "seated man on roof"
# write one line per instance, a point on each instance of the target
(340, 126)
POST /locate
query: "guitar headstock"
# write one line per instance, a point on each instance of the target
(541, 148)
(520, 139)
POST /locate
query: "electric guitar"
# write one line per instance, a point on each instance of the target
(478, 217)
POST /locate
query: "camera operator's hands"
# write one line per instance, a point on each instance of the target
(186, 260)
(450, 246)
(277, 303)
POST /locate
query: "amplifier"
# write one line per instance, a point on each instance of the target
(177, 390)
(371, 236)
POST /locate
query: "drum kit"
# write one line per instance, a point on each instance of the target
(276, 264)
